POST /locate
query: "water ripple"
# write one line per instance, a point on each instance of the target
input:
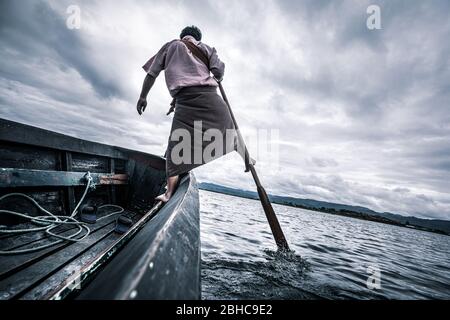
(333, 257)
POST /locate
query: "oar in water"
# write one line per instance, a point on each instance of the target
(277, 232)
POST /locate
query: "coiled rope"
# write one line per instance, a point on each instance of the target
(50, 221)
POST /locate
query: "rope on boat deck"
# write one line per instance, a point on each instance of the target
(50, 221)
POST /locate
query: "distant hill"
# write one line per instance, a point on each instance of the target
(439, 226)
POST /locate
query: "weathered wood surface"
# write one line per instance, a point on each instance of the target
(49, 167)
(29, 135)
(86, 162)
(89, 271)
(17, 283)
(41, 278)
(66, 165)
(19, 241)
(12, 177)
(13, 263)
(51, 199)
(45, 288)
(34, 277)
(27, 157)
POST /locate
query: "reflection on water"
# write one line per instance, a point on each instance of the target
(334, 257)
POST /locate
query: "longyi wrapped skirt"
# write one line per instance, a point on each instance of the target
(195, 104)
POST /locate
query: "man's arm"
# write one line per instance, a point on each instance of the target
(216, 66)
(153, 67)
(146, 86)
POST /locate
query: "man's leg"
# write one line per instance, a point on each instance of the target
(171, 185)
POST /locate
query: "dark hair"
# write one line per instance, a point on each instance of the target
(191, 31)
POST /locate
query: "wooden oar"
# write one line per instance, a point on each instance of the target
(267, 206)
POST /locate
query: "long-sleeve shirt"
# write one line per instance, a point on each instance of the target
(182, 68)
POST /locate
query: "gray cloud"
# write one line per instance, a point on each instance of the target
(37, 32)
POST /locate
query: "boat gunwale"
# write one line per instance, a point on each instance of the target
(19, 133)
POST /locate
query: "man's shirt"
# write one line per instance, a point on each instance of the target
(182, 68)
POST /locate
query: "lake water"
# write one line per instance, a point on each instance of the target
(334, 257)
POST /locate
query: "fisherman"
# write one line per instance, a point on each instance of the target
(195, 101)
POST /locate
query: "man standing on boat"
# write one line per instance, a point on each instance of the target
(195, 101)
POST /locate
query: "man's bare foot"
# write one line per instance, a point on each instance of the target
(164, 197)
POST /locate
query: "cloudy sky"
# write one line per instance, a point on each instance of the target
(354, 116)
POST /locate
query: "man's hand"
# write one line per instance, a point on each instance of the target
(146, 86)
(141, 105)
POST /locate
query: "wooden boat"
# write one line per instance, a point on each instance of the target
(158, 256)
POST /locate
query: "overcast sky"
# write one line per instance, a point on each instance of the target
(358, 116)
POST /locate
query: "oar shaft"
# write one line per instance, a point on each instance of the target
(277, 232)
(241, 139)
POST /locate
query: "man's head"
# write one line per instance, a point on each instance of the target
(191, 31)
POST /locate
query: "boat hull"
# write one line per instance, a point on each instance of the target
(159, 258)
(162, 261)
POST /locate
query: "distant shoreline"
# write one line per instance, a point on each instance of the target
(341, 210)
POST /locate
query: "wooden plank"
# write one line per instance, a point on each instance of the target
(49, 198)
(17, 241)
(86, 162)
(18, 282)
(27, 157)
(88, 272)
(13, 263)
(70, 196)
(17, 133)
(47, 286)
(60, 278)
(11, 177)
(112, 189)
(20, 133)
(113, 179)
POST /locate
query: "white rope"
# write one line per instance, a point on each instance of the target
(112, 213)
(50, 221)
